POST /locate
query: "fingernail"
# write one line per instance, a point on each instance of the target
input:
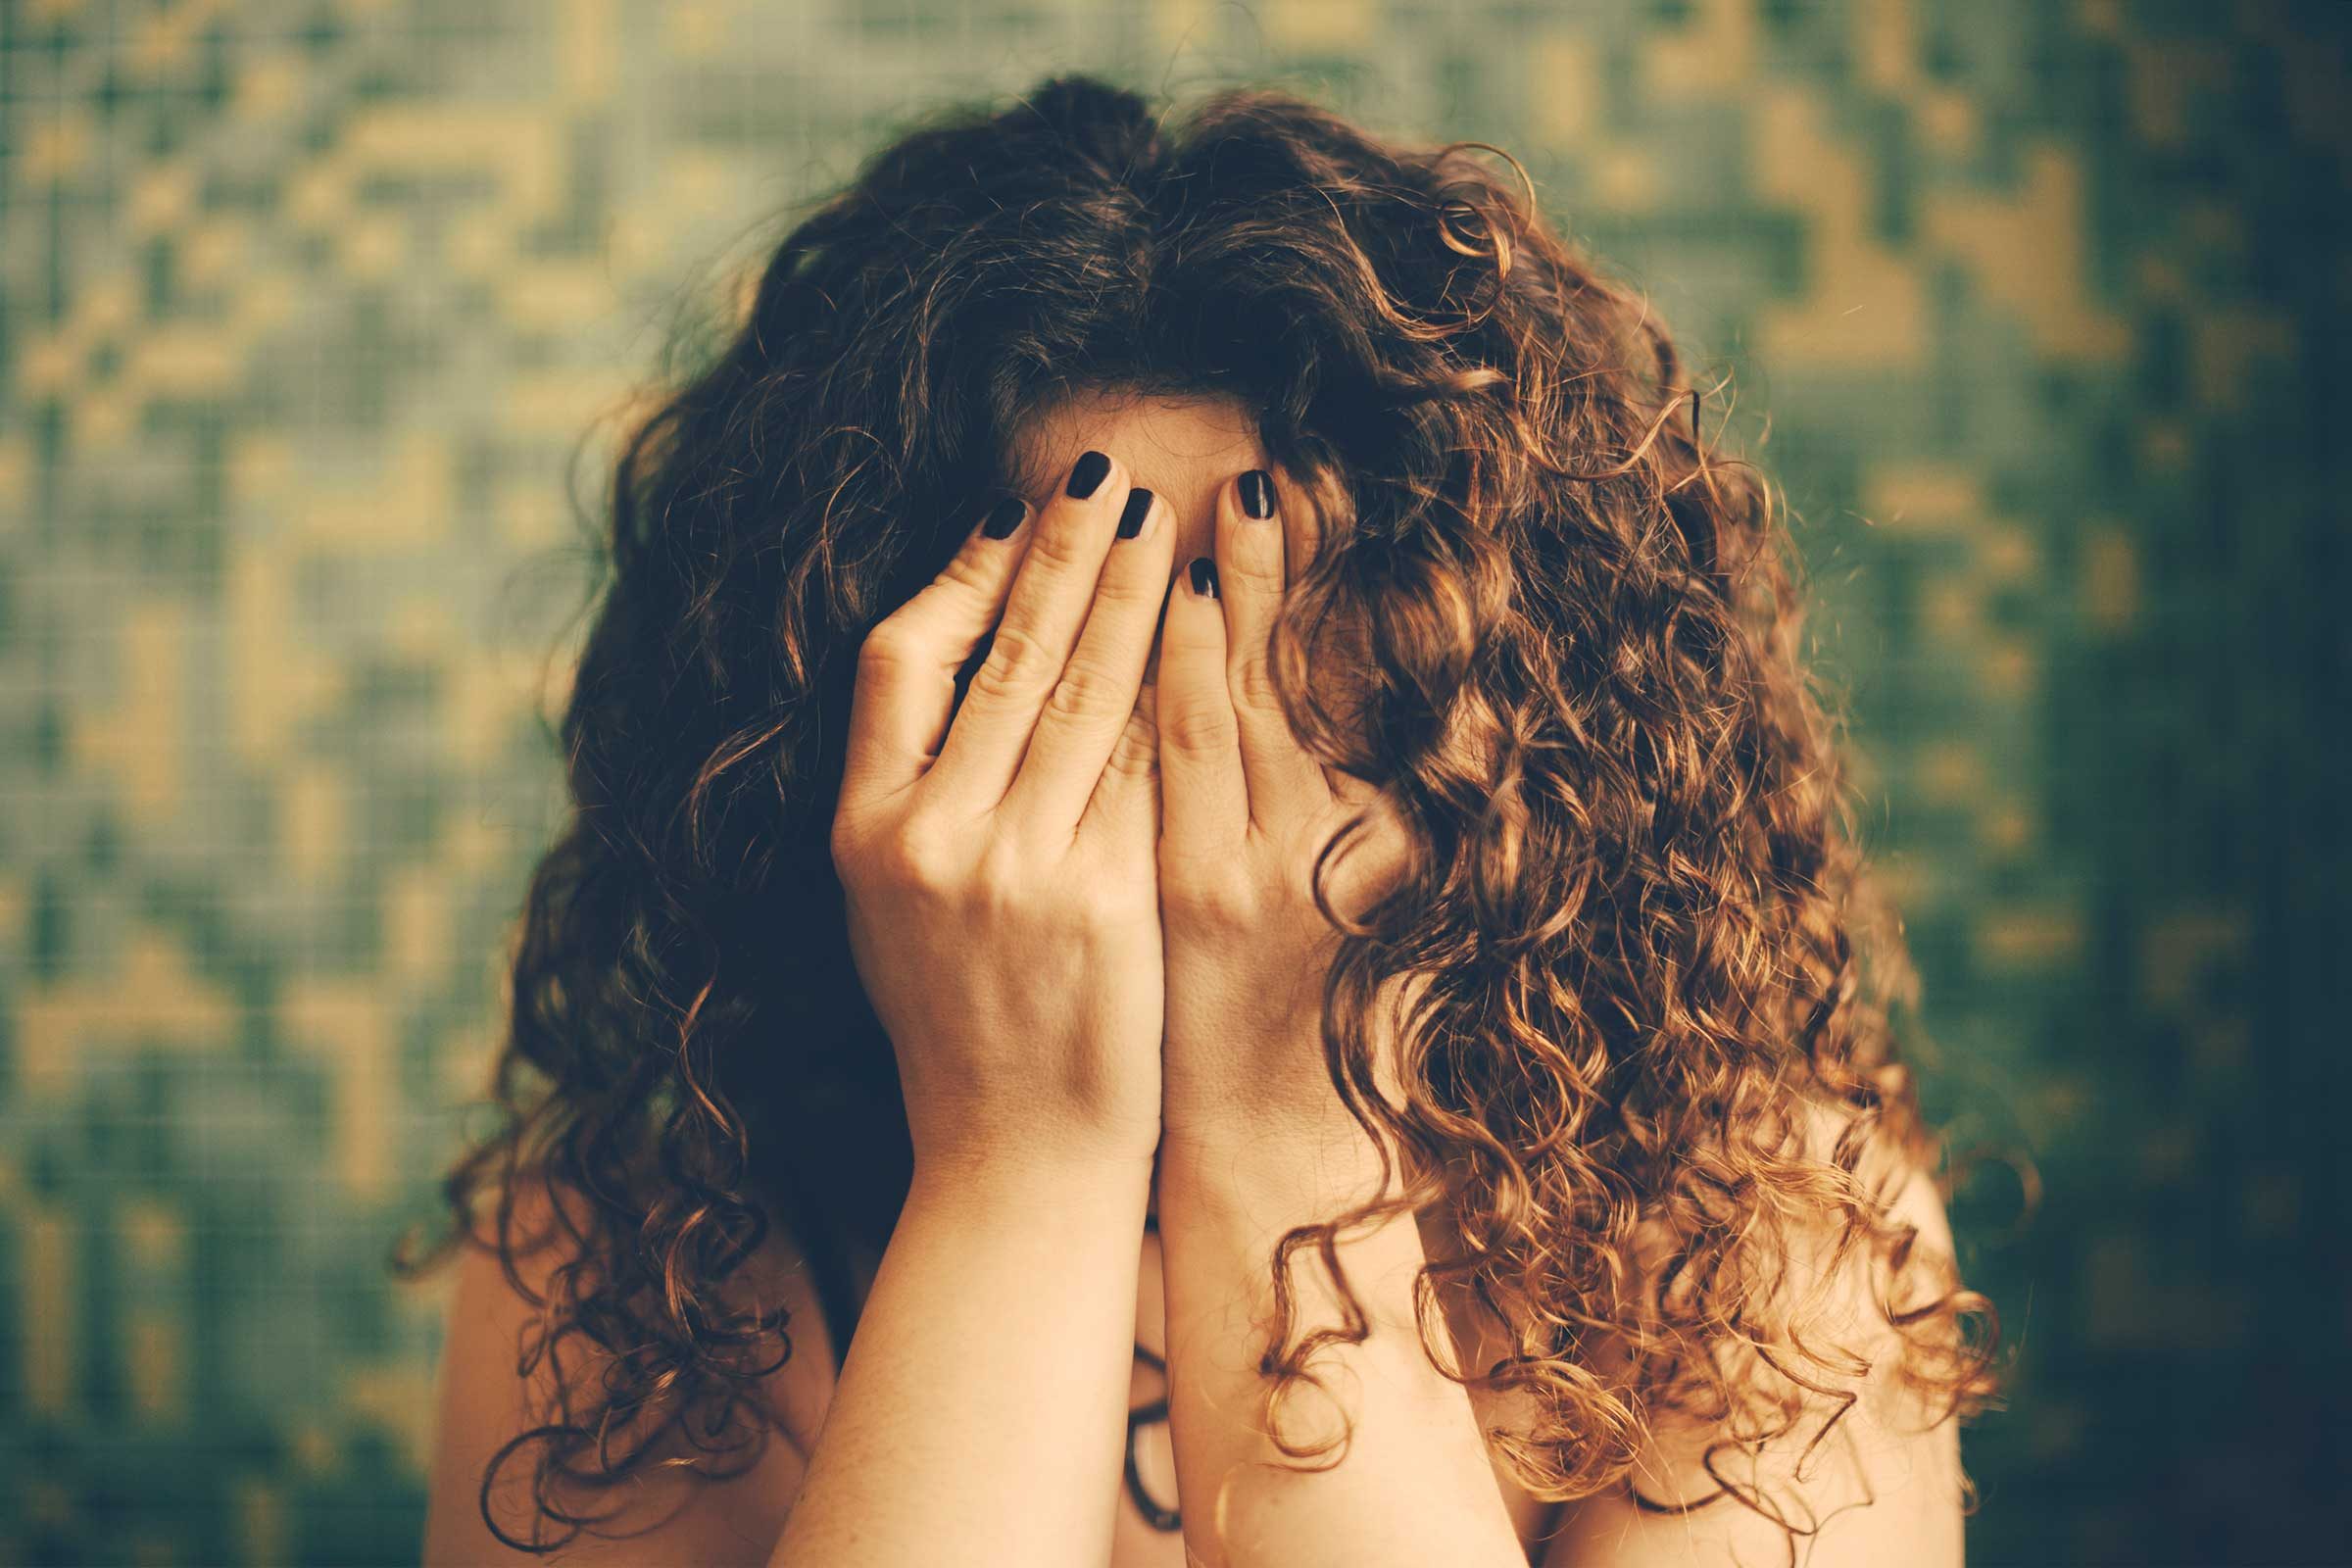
(1086, 473)
(1257, 493)
(1205, 577)
(1131, 519)
(1005, 517)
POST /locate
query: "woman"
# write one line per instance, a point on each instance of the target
(1192, 684)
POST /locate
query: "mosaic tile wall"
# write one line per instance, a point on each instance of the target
(317, 316)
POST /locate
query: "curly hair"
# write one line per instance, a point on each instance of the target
(1635, 912)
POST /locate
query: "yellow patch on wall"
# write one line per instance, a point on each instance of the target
(1865, 307)
(2109, 591)
(405, 506)
(1565, 90)
(313, 821)
(1714, 54)
(416, 919)
(2007, 828)
(165, 40)
(348, 1027)
(2027, 251)
(1947, 773)
(2008, 554)
(2029, 938)
(260, 1512)
(48, 1276)
(2010, 669)
(55, 147)
(153, 1236)
(274, 682)
(1317, 24)
(154, 1364)
(399, 1399)
(1921, 496)
(152, 994)
(586, 32)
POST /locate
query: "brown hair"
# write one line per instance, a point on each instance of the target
(1634, 900)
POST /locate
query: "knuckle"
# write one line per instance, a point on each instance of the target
(964, 574)
(1254, 563)
(998, 872)
(1085, 691)
(906, 857)
(1230, 902)
(898, 861)
(1065, 549)
(1130, 585)
(1017, 664)
(1252, 680)
(885, 648)
(1136, 753)
(1203, 891)
(1198, 726)
(928, 849)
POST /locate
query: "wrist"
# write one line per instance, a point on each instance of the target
(1262, 1085)
(1275, 1167)
(1061, 1182)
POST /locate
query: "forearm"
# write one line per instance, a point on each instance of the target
(1416, 1486)
(979, 1414)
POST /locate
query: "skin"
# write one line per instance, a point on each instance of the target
(1121, 808)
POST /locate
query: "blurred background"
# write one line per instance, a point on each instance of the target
(319, 319)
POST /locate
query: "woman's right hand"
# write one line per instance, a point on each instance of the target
(1001, 883)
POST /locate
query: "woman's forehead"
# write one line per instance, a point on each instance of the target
(1181, 448)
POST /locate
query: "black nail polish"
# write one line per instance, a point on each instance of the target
(1257, 493)
(1005, 517)
(1205, 577)
(1138, 508)
(1086, 473)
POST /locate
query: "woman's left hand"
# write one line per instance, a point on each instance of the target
(1244, 812)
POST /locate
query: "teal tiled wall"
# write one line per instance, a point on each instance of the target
(319, 315)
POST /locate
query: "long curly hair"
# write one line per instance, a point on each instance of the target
(1639, 922)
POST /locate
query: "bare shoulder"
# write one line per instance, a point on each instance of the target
(484, 1402)
(1884, 1485)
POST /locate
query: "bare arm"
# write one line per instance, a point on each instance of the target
(1004, 916)
(984, 1396)
(1004, 919)
(924, 1441)
(1256, 1142)
(1416, 1486)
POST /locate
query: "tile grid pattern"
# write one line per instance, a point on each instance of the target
(320, 314)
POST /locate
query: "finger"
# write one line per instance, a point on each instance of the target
(1205, 798)
(906, 667)
(1043, 614)
(1094, 701)
(1281, 778)
(1376, 858)
(1126, 799)
(1306, 510)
